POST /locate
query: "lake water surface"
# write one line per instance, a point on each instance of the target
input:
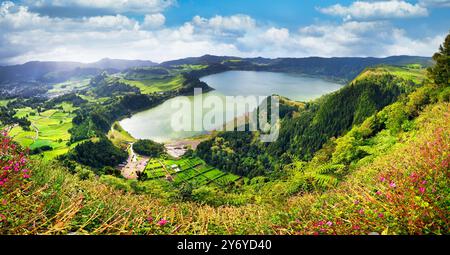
(156, 123)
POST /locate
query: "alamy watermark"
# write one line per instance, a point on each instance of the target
(230, 113)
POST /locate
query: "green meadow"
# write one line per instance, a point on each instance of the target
(152, 85)
(69, 86)
(48, 128)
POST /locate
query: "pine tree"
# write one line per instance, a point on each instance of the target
(440, 72)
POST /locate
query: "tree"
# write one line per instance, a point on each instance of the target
(440, 72)
(148, 148)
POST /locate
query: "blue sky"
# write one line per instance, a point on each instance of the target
(85, 30)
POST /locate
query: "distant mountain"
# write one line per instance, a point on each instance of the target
(346, 68)
(343, 69)
(203, 60)
(55, 71)
(120, 64)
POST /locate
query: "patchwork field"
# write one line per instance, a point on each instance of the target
(189, 170)
(49, 128)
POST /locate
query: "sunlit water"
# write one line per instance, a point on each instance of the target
(156, 123)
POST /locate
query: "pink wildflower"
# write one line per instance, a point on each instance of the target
(329, 223)
(380, 215)
(382, 179)
(422, 190)
(392, 185)
(361, 211)
(162, 222)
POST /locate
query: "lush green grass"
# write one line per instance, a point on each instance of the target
(411, 72)
(119, 137)
(24, 138)
(4, 102)
(156, 84)
(52, 128)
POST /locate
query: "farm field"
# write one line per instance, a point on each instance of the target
(68, 86)
(155, 84)
(188, 170)
(48, 128)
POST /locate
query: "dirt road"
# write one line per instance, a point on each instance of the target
(135, 164)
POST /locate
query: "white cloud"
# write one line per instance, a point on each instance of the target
(277, 35)
(30, 36)
(118, 6)
(369, 38)
(435, 3)
(117, 22)
(153, 21)
(376, 10)
(221, 25)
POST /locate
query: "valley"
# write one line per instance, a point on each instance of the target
(342, 163)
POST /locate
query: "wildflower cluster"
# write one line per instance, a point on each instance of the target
(14, 164)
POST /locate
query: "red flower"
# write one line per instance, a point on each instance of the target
(356, 227)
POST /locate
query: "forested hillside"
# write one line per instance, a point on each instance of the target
(313, 125)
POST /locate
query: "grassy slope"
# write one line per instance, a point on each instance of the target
(152, 85)
(119, 137)
(417, 75)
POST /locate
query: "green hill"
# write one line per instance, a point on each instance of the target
(314, 124)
